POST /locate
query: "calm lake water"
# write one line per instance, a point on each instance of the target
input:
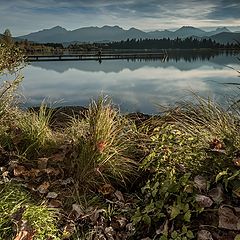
(133, 85)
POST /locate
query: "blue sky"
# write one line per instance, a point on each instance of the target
(25, 16)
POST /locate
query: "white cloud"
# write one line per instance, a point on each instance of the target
(25, 16)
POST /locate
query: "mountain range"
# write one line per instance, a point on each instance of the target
(115, 33)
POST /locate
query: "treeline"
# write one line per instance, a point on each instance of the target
(167, 43)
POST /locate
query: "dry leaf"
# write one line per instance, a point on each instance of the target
(200, 182)
(77, 209)
(216, 194)
(227, 219)
(110, 233)
(33, 173)
(19, 171)
(25, 233)
(204, 201)
(54, 203)
(122, 221)
(106, 189)
(119, 196)
(51, 195)
(101, 145)
(52, 171)
(58, 157)
(216, 144)
(43, 188)
(204, 235)
(42, 163)
(5, 174)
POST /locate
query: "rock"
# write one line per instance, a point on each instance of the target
(204, 235)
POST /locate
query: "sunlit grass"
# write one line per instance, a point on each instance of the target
(103, 142)
(12, 198)
(43, 221)
(35, 130)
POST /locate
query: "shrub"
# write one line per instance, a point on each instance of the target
(197, 138)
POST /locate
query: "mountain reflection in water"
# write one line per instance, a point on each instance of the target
(133, 85)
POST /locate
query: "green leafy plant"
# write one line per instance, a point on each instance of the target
(167, 202)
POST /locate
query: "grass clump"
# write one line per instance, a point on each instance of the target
(215, 130)
(35, 130)
(103, 144)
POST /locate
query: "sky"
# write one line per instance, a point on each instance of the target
(26, 16)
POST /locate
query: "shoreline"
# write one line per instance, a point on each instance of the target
(62, 115)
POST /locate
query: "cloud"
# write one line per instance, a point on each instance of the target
(25, 16)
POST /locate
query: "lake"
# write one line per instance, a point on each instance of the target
(138, 85)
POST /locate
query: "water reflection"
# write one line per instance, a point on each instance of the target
(133, 85)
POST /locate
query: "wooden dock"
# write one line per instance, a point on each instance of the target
(98, 57)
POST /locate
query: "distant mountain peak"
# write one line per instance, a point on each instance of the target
(187, 27)
(111, 27)
(116, 33)
(58, 27)
(223, 29)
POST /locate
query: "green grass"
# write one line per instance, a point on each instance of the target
(11, 200)
(213, 128)
(35, 130)
(43, 220)
(16, 206)
(103, 143)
